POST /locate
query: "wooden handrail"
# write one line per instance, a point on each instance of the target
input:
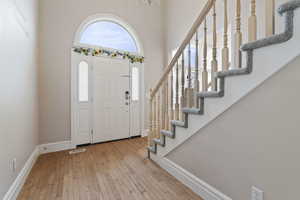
(183, 93)
(208, 6)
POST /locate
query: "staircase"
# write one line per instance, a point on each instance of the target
(191, 95)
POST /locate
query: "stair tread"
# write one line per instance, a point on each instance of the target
(160, 142)
(178, 123)
(152, 149)
(209, 94)
(168, 133)
(196, 111)
(233, 72)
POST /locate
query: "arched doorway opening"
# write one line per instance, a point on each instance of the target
(107, 81)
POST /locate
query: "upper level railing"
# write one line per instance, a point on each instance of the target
(210, 46)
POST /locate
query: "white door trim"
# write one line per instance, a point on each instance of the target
(74, 96)
(76, 42)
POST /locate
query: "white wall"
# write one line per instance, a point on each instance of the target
(59, 21)
(255, 142)
(18, 87)
(178, 19)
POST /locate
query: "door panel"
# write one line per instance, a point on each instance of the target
(83, 125)
(110, 108)
(83, 120)
(81, 128)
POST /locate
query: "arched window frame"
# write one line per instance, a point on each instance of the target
(114, 19)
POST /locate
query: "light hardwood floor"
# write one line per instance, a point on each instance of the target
(110, 171)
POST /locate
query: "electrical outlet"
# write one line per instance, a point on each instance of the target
(257, 194)
(14, 165)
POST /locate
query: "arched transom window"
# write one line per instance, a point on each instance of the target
(108, 34)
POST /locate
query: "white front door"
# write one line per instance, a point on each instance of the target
(111, 99)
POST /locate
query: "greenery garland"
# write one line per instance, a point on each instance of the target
(99, 52)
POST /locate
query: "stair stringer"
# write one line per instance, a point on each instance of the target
(266, 60)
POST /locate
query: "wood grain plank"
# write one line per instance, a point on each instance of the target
(116, 170)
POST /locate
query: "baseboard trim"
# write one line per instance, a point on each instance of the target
(204, 190)
(55, 147)
(17, 185)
